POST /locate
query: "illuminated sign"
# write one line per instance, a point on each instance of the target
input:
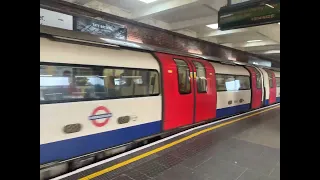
(249, 14)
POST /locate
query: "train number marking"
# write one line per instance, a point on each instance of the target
(106, 115)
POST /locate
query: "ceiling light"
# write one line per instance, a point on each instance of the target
(272, 52)
(279, 23)
(254, 41)
(213, 26)
(269, 5)
(147, 1)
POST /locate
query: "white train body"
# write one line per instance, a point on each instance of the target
(232, 100)
(144, 112)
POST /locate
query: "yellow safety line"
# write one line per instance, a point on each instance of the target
(106, 170)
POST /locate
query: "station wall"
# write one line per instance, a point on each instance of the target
(143, 33)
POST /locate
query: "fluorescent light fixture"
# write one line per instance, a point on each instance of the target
(213, 26)
(254, 41)
(272, 52)
(269, 5)
(147, 1)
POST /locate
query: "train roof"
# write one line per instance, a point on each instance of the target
(69, 35)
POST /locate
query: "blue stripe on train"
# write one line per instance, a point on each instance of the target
(266, 102)
(232, 110)
(70, 148)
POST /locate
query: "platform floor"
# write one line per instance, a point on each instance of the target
(248, 149)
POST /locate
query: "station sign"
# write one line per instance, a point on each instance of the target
(248, 14)
(97, 27)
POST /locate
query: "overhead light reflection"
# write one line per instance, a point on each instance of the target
(123, 43)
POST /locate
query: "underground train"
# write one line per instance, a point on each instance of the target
(99, 94)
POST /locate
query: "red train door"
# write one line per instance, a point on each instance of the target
(177, 91)
(272, 87)
(204, 90)
(256, 87)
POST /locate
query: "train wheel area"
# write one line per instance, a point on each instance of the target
(242, 147)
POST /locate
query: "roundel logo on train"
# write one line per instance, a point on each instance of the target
(100, 116)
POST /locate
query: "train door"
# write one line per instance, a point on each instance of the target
(262, 86)
(272, 86)
(265, 86)
(177, 91)
(256, 87)
(277, 74)
(204, 90)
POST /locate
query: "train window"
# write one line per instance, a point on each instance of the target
(154, 83)
(225, 82)
(242, 83)
(74, 83)
(119, 82)
(201, 77)
(258, 79)
(183, 76)
(145, 82)
(232, 82)
(278, 81)
(220, 81)
(270, 78)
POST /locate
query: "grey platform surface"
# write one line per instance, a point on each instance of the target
(246, 150)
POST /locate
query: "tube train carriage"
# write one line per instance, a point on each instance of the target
(97, 93)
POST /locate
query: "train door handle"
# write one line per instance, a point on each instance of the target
(229, 102)
(241, 100)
